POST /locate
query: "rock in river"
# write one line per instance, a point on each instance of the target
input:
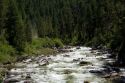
(11, 80)
(83, 63)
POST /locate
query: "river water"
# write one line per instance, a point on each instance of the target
(78, 66)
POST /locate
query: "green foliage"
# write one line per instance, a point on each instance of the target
(42, 45)
(15, 27)
(57, 42)
(6, 49)
(74, 40)
(2, 74)
(90, 22)
(46, 42)
(7, 53)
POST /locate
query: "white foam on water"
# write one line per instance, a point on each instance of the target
(62, 66)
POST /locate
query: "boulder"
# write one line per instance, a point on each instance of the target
(11, 80)
(28, 81)
(63, 50)
(28, 61)
(93, 51)
(66, 55)
(7, 63)
(116, 69)
(78, 47)
(76, 60)
(83, 63)
(107, 76)
(67, 47)
(96, 71)
(70, 50)
(67, 71)
(114, 74)
(86, 82)
(44, 63)
(28, 76)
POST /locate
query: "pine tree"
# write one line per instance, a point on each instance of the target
(15, 27)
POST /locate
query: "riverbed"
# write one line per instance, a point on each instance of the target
(79, 65)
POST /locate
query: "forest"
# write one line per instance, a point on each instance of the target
(27, 25)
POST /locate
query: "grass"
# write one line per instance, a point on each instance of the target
(36, 47)
(7, 53)
(7, 58)
(42, 46)
(43, 51)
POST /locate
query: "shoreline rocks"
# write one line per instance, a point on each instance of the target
(79, 64)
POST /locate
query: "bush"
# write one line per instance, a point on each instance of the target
(6, 53)
(7, 49)
(41, 43)
(46, 42)
(74, 40)
(57, 42)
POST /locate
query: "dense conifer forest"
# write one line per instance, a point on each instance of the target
(53, 22)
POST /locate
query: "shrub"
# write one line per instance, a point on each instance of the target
(37, 46)
(57, 42)
(6, 52)
(74, 40)
(7, 49)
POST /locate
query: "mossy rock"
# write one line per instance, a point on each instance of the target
(70, 79)
(67, 71)
(2, 73)
(86, 82)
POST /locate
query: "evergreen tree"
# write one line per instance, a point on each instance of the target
(15, 27)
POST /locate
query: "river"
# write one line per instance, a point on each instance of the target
(81, 65)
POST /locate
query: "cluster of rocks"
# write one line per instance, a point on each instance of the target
(41, 60)
(10, 76)
(63, 49)
(110, 71)
(105, 50)
(12, 79)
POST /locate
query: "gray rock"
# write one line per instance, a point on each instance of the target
(78, 47)
(28, 76)
(95, 71)
(11, 80)
(83, 63)
(66, 55)
(28, 81)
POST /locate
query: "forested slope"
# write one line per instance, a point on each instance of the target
(75, 22)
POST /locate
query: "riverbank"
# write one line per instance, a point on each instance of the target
(8, 65)
(75, 65)
(9, 55)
